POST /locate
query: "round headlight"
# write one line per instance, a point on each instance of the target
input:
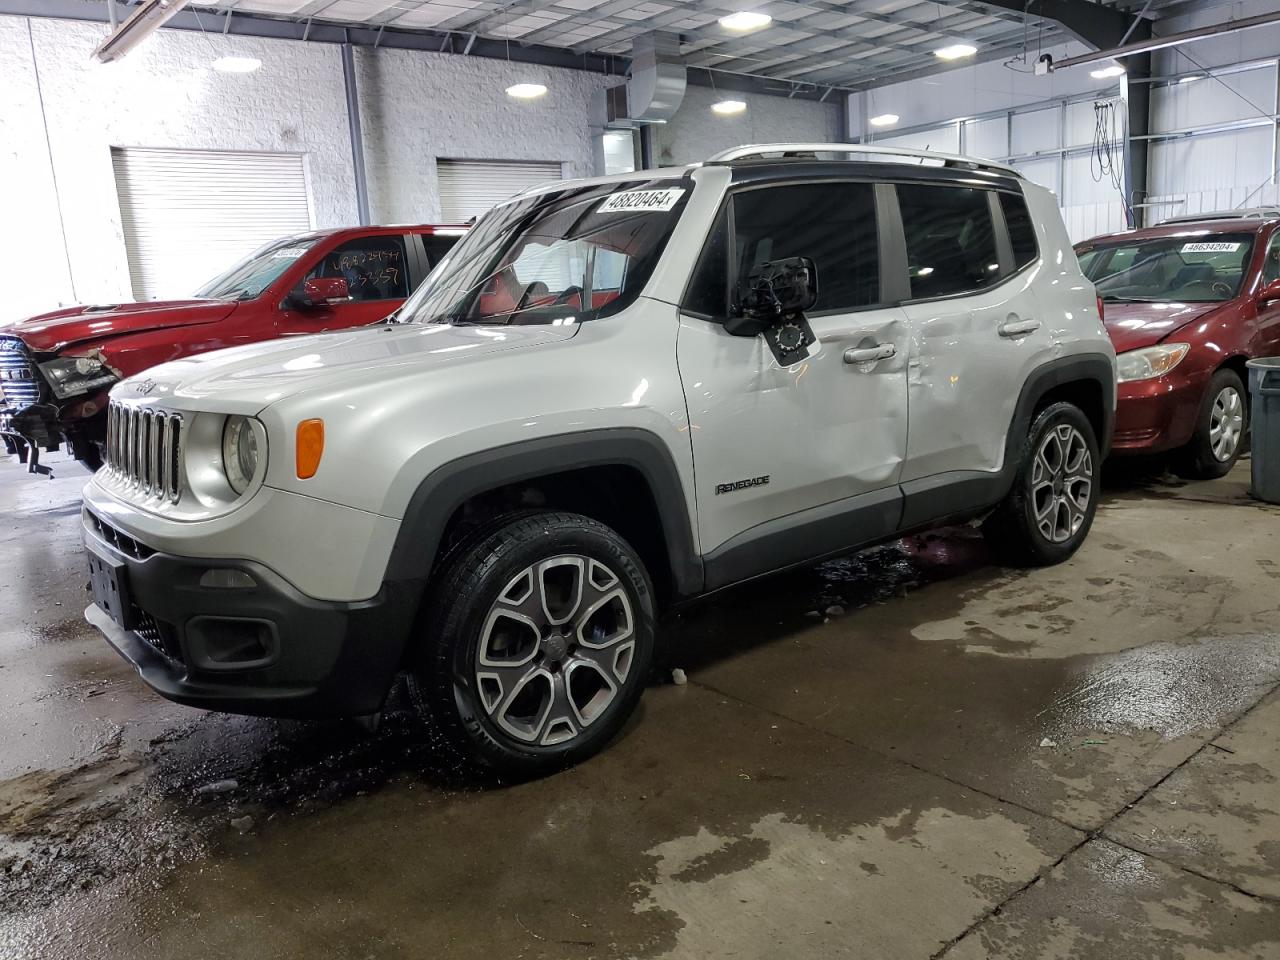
(239, 453)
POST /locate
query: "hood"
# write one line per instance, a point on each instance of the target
(51, 332)
(1136, 325)
(247, 379)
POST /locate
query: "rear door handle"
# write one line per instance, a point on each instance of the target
(881, 351)
(1015, 327)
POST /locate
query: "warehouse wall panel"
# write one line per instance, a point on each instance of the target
(415, 106)
(695, 133)
(166, 94)
(418, 106)
(33, 235)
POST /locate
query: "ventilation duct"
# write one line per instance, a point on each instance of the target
(656, 86)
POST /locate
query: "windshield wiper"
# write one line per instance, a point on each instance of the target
(239, 293)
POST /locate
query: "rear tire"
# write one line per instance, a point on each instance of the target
(541, 639)
(1220, 429)
(1048, 513)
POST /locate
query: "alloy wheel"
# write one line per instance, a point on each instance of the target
(1226, 423)
(555, 649)
(1061, 483)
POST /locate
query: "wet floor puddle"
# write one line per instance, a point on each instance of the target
(740, 813)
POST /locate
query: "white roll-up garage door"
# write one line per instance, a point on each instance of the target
(190, 214)
(470, 187)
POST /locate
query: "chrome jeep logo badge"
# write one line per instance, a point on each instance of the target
(145, 387)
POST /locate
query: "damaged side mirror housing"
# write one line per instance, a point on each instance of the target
(773, 290)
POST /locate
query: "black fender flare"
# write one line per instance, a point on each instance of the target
(962, 494)
(1080, 367)
(452, 484)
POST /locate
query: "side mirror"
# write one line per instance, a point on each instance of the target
(321, 291)
(1269, 293)
(773, 290)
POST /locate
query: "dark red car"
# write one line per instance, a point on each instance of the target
(56, 368)
(1186, 304)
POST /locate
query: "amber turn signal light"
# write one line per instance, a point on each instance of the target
(310, 448)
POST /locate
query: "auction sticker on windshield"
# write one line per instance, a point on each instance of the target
(289, 253)
(1210, 247)
(642, 201)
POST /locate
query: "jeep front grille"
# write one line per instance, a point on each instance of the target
(19, 381)
(144, 448)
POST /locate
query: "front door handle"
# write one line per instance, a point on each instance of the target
(881, 351)
(1016, 327)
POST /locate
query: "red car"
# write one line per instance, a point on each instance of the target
(56, 368)
(1186, 304)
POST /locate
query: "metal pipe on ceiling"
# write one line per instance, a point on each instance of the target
(1172, 40)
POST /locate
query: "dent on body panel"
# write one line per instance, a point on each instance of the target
(870, 434)
(616, 372)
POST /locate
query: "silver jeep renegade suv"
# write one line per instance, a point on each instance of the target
(613, 395)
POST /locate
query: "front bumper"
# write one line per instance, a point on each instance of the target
(1156, 415)
(265, 649)
(42, 426)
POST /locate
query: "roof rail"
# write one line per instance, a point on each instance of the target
(1244, 213)
(754, 150)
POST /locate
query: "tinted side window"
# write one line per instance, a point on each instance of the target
(1271, 265)
(709, 292)
(1022, 233)
(951, 244)
(834, 224)
(437, 247)
(374, 268)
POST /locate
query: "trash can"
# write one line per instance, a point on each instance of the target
(1264, 387)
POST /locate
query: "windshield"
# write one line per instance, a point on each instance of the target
(1205, 268)
(248, 278)
(561, 257)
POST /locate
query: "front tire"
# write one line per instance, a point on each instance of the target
(1048, 513)
(542, 635)
(1220, 429)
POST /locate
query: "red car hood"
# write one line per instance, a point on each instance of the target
(1135, 325)
(50, 332)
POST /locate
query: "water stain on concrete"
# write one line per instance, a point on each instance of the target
(759, 802)
(1219, 815)
(835, 907)
(1105, 902)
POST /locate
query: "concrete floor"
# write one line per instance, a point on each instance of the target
(954, 759)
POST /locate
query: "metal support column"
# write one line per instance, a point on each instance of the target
(1137, 98)
(357, 138)
(646, 147)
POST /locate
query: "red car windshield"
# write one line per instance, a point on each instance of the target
(247, 279)
(1204, 268)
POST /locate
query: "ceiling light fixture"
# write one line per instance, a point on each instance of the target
(145, 20)
(1106, 73)
(727, 108)
(745, 20)
(956, 51)
(884, 120)
(234, 64)
(526, 91)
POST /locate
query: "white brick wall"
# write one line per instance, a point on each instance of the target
(31, 240)
(695, 133)
(415, 107)
(164, 94)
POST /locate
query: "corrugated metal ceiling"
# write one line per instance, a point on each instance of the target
(821, 42)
